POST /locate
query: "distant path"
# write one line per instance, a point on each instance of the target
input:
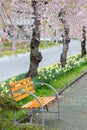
(14, 65)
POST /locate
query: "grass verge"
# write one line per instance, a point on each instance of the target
(65, 79)
(22, 47)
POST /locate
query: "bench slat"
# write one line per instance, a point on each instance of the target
(30, 89)
(23, 86)
(20, 81)
(35, 104)
(22, 96)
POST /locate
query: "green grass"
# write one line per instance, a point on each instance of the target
(22, 47)
(6, 53)
(47, 44)
(66, 78)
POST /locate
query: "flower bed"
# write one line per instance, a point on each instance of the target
(48, 73)
(53, 71)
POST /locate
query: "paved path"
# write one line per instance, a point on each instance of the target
(15, 65)
(73, 108)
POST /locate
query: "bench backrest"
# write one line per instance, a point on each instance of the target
(24, 85)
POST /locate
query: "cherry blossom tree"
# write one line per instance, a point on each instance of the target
(65, 17)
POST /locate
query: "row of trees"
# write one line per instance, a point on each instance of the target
(68, 16)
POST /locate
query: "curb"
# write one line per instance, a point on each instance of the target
(73, 81)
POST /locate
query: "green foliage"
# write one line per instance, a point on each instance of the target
(27, 127)
(8, 103)
(6, 124)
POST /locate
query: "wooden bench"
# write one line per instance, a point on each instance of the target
(24, 88)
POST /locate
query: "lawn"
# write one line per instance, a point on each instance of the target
(22, 47)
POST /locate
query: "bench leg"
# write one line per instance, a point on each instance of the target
(43, 118)
(32, 116)
(59, 116)
(31, 119)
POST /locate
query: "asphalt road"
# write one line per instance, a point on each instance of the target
(14, 65)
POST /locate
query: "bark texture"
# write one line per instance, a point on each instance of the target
(83, 42)
(35, 55)
(66, 38)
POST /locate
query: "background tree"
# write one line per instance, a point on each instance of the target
(66, 38)
(83, 42)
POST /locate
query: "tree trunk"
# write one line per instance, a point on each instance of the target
(63, 55)
(66, 38)
(35, 55)
(83, 42)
